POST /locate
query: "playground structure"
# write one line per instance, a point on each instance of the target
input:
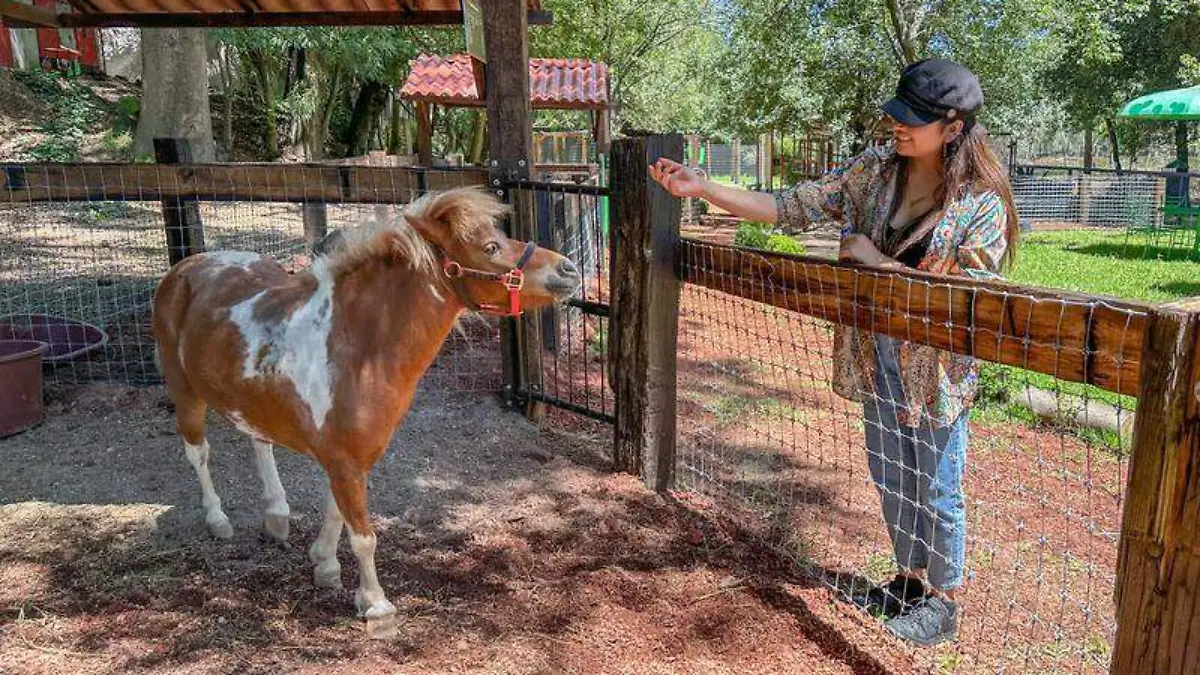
(70, 49)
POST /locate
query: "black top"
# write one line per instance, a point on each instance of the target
(914, 254)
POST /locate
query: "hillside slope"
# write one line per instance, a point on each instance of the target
(48, 117)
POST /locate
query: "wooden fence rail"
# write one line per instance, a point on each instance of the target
(1071, 337)
(301, 183)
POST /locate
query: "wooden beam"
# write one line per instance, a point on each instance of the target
(1072, 337)
(316, 223)
(424, 113)
(645, 310)
(297, 183)
(234, 19)
(19, 15)
(510, 138)
(510, 130)
(1158, 565)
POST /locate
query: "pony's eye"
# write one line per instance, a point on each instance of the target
(492, 249)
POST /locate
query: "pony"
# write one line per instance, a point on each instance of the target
(326, 361)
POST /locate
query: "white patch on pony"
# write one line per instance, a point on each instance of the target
(296, 348)
(434, 291)
(241, 259)
(239, 422)
(217, 521)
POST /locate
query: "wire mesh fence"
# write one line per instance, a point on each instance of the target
(739, 163)
(82, 248)
(1043, 458)
(1157, 212)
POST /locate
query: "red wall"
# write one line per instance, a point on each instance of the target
(6, 55)
(47, 37)
(87, 43)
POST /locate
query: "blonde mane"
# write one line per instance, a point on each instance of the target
(463, 213)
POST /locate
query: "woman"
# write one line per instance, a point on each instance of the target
(935, 200)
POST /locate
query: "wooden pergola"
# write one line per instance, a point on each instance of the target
(459, 80)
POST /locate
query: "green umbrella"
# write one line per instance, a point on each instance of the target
(1177, 105)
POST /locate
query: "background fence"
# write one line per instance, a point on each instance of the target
(1157, 212)
(89, 243)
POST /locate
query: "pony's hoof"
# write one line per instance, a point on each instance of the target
(380, 616)
(328, 578)
(221, 529)
(382, 628)
(277, 527)
(369, 609)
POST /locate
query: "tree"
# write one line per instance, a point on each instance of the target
(836, 61)
(340, 90)
(660, 56)
(175, 91)
(1116, 51)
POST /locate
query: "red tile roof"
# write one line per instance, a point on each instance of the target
(553, 83)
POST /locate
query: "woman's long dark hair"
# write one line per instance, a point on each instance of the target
(972, 165)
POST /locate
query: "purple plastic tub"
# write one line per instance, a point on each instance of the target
(68, 339)
(21, 406)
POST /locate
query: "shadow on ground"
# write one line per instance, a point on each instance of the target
(504, 547)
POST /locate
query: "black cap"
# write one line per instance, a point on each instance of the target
(935, 89)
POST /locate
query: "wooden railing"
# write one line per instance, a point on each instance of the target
(299, 183)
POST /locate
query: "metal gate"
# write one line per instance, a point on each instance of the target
(567, 368)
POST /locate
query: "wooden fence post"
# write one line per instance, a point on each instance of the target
(510, 141)
(181, 215)
(316, 223)
(1158, 566)
(645, 306)
(737, 161)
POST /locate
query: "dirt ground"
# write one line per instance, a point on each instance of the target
(761, 434)
(507, 549)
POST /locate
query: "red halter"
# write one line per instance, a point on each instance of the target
(513, 280)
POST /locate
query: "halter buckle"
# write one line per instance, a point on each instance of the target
(452, 269)
(513, 280)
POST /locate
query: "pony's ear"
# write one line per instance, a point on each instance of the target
(428, 229)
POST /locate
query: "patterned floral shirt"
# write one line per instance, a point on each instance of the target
(968, 238)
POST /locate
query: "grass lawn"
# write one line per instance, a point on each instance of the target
(1107, 263)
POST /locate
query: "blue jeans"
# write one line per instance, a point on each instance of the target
(919, 472)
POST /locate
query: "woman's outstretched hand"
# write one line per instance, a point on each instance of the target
(679, 180)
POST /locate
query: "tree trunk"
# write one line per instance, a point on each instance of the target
(1181, 146)
(904, 32)
(226, 57)
(372, 96)
(316, 128)
(1089, 148)
(268, 92)
(295, 69)
(394, 129)
(175, 91)
(1112, 141)
(478, 138)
